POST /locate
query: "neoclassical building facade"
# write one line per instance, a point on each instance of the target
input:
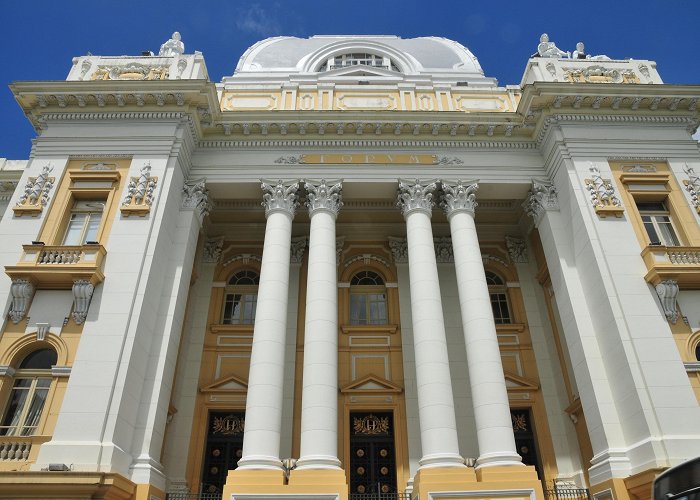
(357, 266)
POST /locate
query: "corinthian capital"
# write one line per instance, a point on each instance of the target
(541, 198)
(414, 196)
(279, 196)
(459, 197)
(324, 196)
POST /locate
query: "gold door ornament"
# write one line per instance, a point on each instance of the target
(229, 425)
(371, 425)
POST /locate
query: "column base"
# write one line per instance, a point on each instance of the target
(613, 489)
(324, 484)
(449, 482)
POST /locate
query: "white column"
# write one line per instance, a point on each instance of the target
(319, 399)
(263, 413)
(436, 410)
(494, 430)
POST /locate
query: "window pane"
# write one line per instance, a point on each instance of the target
(41, 359)
(34, 413)
(92, 227)
(668, 236)
(378, 313)
(651, 230)
(14, 409)
(75, 229)
(232, 309)
(358, 309)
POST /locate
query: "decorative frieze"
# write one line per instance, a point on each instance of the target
(667, 291)
(517, 250)
(132, 71)
(460, 196)
(325, 196)
(244, 257)
(279, 196)
(541, 198)
(414, 196)
(366, 258)
(36, 193)
(82, 295)
(692, 185)
(21, 291)
(196, 197)
(602, 193)
(211, 253)
(139, 193)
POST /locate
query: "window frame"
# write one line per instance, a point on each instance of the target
(83, 239)
(656, 224)
(366, 291)
(500, 291)
(244, 290)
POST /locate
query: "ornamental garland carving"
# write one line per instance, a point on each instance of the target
(602, 193)
(399, 250)
(279, 196)
(414, 196)
(36, 193)
(600, 74)
(459, 197)
(298, 248)
(139, 193)
(211, 253)
(325, 196)
(692, 185)
(133, 71)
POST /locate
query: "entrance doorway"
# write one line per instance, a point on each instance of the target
(224, 448)
(372, 452)
(525, 439)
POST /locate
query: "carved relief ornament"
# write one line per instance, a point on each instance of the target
(133, 71)
(692, 185)
(22, 292)
(459, 197)
(416, 197)
(139, 193)
(324, 196)
(517, 249)
(36, 193)
(667, 291)
(82, 295)
(541, 198)
(602, 193)
(279, 196)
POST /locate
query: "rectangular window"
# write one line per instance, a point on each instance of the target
(84, 222)
(368, 309)
(24, 409)
(657, 223)
(239, 309)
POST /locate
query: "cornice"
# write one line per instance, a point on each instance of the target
(285, 144)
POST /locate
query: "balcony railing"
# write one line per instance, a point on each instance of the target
(677, 263)
(380, 496)
(19, 448)
(58, 266)
(567, 493)
(193, 496)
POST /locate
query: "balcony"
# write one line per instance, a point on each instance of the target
(672, 263)
(15, 450)
(58, 266)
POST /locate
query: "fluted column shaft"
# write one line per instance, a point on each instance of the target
(263, 418)
(433, 380)
(319, 399)
(494, 430)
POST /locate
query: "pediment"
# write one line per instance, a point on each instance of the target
(371, 383)
(227, 384)
(359, 71)
(517, 383)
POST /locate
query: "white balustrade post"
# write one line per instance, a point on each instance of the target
(263, 417)
(319, 399)
(494, 430)
(438, 427)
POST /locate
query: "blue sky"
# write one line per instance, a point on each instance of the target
(41, 37)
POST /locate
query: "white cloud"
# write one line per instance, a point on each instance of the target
(257, 20)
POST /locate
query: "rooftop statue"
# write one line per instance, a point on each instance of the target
(173, 47)
(580, 53)
(549, 49)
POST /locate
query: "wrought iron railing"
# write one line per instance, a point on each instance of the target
(559, 493)
(380, 496)
(192, 496)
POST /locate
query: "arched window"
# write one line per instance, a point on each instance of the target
(358, 59)
(367, 299)
(697, 351)
(29, 393)
(499, 298)
(241, 298)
